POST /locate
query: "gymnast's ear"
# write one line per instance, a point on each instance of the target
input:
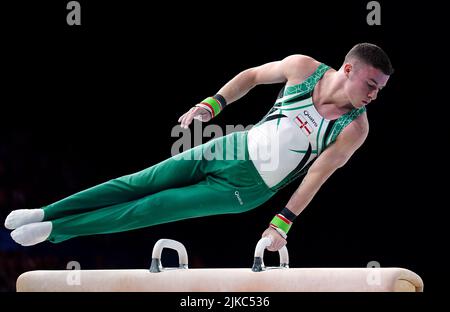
(347, 67)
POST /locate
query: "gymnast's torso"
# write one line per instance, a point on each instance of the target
(290, 137)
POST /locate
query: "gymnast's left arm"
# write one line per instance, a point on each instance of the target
(331, 159)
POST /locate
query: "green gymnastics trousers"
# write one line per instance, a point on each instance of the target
(213, 178)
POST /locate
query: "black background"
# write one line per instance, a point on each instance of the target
(83, 104)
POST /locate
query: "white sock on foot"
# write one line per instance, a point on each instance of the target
(32, 234)
(23, 216)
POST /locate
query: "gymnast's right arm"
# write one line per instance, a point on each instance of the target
(242, 83)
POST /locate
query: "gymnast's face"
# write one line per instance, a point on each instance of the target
(363, 83)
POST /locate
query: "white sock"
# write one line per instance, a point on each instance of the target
(32, 234)
(23, 216)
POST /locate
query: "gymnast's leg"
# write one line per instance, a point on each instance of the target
(177, 171)
(202, 199)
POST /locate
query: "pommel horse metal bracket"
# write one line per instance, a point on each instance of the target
(258, 264)
(156, 266)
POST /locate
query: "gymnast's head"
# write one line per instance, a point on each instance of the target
(367, 69)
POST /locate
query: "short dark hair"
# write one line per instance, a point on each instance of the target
(373, 55)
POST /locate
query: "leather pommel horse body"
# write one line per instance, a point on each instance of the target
(257, 279)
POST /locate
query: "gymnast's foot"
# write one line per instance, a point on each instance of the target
(23, 216)
(32, 234)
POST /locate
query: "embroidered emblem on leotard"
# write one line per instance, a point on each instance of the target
(304, 124)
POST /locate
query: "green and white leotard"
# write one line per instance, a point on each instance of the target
(293, 133)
